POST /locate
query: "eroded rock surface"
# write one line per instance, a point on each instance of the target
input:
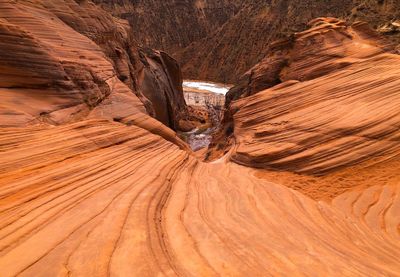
(220, 40)
(335, 107)
(98, 198)
(172, 25)
(225, 55)
(76, 60)
(329, 46)
(91, 185)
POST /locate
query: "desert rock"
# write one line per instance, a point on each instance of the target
(73, 60)
(91, 184)
(331, 102)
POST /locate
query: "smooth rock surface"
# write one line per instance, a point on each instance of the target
(334, 104)
(61, 59)
(99, 198)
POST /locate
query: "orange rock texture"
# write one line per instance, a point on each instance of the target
(92, 185)
(322, 110)
(96, 198)
(61, 61)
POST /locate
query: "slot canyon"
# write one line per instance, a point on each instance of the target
(199, 138)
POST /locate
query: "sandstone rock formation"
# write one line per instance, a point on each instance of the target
(96, 198)
(91, 185)
(77, 60)
(202, 98)
(219, 40)
(325, 113)
(330, 45)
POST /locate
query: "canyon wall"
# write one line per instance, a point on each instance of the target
(220, 40)
(204, 99)
(243, 41)
(309, 55)
(172, 25)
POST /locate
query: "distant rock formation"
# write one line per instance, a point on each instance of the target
(219, 40)
(172, 25)
(390, 27)
(243, 41)
(204, 98)
(206, 108)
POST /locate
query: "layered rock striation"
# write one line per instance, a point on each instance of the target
(63, 60)
(92, 185)
(328, 46)
(330, 103)
(220, 40)
(98, 198)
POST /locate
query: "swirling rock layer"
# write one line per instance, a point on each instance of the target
(91, 185)
(61, 59)
(321, 125)
(96, 198)
(328, 46)
(336, 106)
